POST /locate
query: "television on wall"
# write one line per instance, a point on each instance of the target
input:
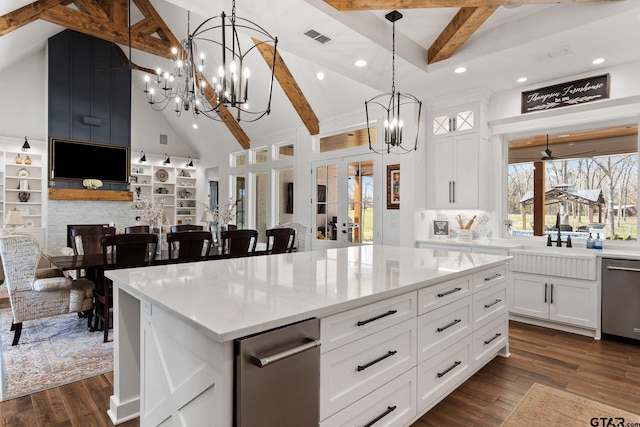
(71, 160)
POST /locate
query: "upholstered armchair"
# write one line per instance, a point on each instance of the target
(35, 293)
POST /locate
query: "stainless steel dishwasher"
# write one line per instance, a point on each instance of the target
(621, 298)
(277, 377)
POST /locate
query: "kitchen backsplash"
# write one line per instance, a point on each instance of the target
(481, 229)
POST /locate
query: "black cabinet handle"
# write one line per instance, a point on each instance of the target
(545, 292)
(373, 319)
(551, 300)
(446, 371)
(490, 340)
(453, 192)
(449, 191)
(495, 276)
(389, 410)
(491, 304)
(373, 362)
(445, 327)
(444, 294)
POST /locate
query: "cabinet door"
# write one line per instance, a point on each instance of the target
(530, 296)
(466, 171)
(573, 302)
(442, 166)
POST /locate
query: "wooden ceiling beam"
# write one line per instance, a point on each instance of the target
(458, 31)
(26, 14)
(290, 87)
(349, 5)
(93, 8)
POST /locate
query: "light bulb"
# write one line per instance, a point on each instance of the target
(200, 67)
(221, 71)
(180, 63)
(247, 73)
(152, 91)
(233, 67)
(386, 123)
(174, 50)
(146, 78)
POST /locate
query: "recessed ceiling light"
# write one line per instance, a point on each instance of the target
(597, 61)
(460, 70)
(361, 63)
(195, 126)
(320, 75)
(522, 79)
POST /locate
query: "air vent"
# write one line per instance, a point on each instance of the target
(320, 38)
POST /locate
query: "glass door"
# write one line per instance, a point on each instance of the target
(343, 202)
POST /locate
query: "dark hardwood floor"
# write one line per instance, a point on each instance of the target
(605, 371)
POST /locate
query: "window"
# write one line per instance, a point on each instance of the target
(349, 139)
(591, 182)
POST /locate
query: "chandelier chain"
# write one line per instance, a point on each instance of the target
(393, 59)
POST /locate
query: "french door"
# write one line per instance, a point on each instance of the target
(343, 202)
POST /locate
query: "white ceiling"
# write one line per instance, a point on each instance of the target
(542, 42)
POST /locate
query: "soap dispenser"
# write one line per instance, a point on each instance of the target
(590, 242)
(549, 240)
(598, 243)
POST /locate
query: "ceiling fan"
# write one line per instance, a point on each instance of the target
(548, 155)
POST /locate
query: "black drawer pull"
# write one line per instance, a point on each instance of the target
(446, 371)
(445, 327)
(495, 276)
(389, 410)
(491, 304)
(373, 319)
(373, 362)
(490, 340)
(444, 294)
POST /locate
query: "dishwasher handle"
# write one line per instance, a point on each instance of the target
(261, 362)
(615, 267)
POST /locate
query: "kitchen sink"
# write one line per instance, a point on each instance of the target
(576, 263)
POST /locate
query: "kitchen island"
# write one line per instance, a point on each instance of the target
(174, 326)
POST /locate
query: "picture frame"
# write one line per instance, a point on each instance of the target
(393, 186)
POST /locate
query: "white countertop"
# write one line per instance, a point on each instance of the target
(227, 299)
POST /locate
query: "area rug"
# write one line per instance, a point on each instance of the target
(544, 406)
(52, 351)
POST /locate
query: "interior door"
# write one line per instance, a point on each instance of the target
(343, 202)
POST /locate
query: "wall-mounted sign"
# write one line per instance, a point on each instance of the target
(565, 94)
(440, 228)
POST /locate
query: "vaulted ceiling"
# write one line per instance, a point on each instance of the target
(496, 40)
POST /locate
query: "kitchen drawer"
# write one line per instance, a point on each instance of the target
(348, 326)
(489, 304)
(354, 370)
(436, 296)
(489, 339)
(393, 404)
(443, 372)
(490, 276)
(440, 328)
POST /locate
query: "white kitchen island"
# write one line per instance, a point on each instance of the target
(174, 327)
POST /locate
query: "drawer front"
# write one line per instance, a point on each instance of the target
(393, 404)
(440, 328)
(348, 326)
(488, 340)
(489, 304)
(354, 370)
(490, 277)
(440, 374)
(436, 296)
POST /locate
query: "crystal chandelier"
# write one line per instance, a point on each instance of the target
(185, 84)
(390, 103)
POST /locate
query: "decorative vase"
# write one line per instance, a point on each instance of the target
(18, 159)
(27, 161)
(23, 196)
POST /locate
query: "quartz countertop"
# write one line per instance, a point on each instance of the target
(231, 298)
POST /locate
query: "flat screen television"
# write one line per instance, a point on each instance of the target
(71, 160)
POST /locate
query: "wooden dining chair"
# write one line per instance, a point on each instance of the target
(186, 227)
(187, 246)
(238, 243)
(86, 240)
(280, 240)
(121, 251)
(137, 229)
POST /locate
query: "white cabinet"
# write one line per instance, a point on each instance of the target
(455, 120)
(455, 172)
(569, 301)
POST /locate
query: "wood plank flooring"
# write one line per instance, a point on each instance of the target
(605, 371)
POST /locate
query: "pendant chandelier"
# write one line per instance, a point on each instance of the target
(390, 104)
(186, 85)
